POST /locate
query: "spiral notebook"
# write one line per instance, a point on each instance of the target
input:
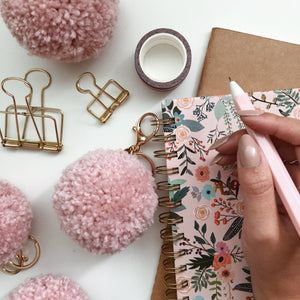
(206, 206)
(257, 67)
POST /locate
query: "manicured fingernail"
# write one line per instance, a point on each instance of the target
(248, 152)
(219, 143)
(250, 113)
(216, 159)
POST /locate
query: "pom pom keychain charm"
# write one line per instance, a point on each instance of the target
(70, 31)
(107, 199)
(45, 287)
(15, 226)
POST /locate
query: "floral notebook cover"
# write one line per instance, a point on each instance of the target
(212, 204)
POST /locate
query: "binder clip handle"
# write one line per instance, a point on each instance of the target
(26, 83)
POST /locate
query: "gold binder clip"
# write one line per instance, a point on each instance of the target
(121, 96)
(142, 138)
(19, 117)
(13, 268)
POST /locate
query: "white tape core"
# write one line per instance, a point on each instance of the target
(163, 57)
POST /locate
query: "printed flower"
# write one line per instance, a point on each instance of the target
(202, 212)
(221, 260)
(182, 133)
(178, 119)
(222, 248)
(185, 102)
(185, 282)
(202, 173)
(296, 112)
(239, 208)
(208, 191)
(225, 275)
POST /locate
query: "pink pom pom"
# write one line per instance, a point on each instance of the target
(70, 31)
(15, 221)
(105, 200)
(47, 287)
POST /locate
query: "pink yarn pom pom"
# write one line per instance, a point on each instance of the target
(15, 221)
(64, 30)
(46, 287)
(105, 200)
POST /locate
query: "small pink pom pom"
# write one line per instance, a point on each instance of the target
(64, 30)
(46, 287)
(15, 221)
(105, 200)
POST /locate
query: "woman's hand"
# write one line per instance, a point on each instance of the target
(270, 241)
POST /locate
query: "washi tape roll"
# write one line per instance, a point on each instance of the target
(163, 58)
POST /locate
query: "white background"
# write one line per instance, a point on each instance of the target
(130, 273)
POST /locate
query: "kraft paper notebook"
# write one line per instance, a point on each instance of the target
(264, 53)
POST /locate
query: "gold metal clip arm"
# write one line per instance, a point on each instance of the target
(142, 138)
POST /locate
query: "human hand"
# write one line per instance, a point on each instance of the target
(270, 241)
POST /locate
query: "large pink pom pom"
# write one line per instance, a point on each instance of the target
(47, 287)
(105, 200)
(68, 30)
(15, 221)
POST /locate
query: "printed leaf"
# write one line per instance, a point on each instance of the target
(193, 125)
(182, 155)
(234, 229)
(189, 149)
(189, 172)
(176, 110)
(205, 261)
(178, 181)
(204, 228)
(190, 161)
(199, 240)
(169, 103)
(219, 110)
(179, 208)
(211, 251)
(244, 287)
(183, 170)
(179, 195)
(195, 189)
(173, 215)
(196, 225)
(165, 116)
(246, 270)
(212, 238)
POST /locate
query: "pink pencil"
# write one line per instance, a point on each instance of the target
(283, 183)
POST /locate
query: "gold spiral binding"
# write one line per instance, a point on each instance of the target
(169, 219)
(164, 201)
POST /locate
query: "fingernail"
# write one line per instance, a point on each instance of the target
(216, 159)
(219, 143)
(250, 113)
(248, 152)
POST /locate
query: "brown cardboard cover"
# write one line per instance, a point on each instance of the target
(257, 64)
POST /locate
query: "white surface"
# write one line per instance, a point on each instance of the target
(163, 57)
(128, 274)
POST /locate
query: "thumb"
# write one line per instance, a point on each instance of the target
(261, 220)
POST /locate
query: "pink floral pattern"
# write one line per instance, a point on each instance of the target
(212, 207)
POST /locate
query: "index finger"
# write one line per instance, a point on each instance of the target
(286, 129)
